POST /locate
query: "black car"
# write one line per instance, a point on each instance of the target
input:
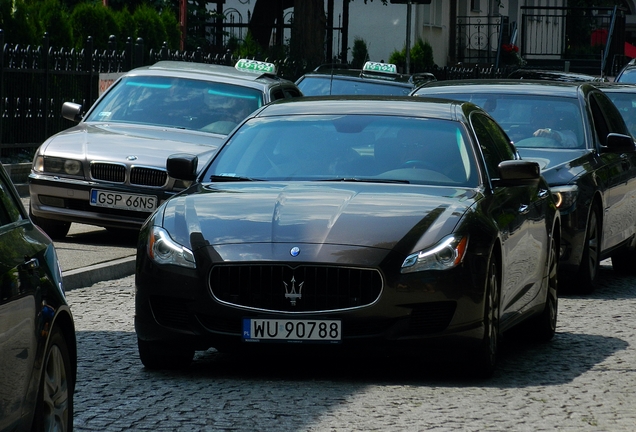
(109, 170)
(351, 222)
(38, 359)
(554, 75)
(586, 154)
(373, 79)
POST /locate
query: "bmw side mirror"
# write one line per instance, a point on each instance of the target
(72, 111)
(517, 173)
(182, 166)
(619, 143)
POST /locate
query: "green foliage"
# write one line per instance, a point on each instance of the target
(53, 19)
(19, 23)
(149, 27)
(421, 57)
(171, 27)
(248, 48)
(360, 53)
(126, 25)
(91, 19)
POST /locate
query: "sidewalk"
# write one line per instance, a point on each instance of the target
(88, 254)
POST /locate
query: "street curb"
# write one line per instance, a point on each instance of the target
(89, 275)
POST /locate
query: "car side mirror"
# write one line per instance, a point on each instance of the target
(72, 111)
(619, 143)
(182, 166)
(518, 173)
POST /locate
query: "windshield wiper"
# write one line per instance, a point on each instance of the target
(365, 180)
(231, 178)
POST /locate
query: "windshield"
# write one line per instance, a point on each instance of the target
(324, 86)
(532, 121)
(371, 148)
(176, 102)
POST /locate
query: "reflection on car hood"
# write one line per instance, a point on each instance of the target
(352, 214)
(115, 142)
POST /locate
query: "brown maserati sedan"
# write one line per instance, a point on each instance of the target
(109, 170)
(338, 222)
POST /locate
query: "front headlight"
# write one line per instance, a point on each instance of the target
(445, 255)
(163, 250)
(565, 196)
(58, 166)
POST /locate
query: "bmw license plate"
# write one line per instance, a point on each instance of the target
(282, 330)
(124, 201)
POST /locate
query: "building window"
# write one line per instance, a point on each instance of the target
(432, 13)
(475, 6)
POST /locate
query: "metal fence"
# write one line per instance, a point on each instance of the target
(36, 81)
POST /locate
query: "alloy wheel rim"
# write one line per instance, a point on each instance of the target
(56, 392)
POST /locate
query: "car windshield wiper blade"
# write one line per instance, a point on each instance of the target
(365, 180)
(230, 178)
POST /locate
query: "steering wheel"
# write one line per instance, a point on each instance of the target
(418, 163)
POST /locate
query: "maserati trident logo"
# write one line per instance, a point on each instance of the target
(290, 292)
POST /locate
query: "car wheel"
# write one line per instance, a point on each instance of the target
(544, 326)
(54, 406)
(55, 229)
(590, 261)
(161, 355)
(486, 357)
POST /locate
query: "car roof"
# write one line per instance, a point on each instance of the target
(554, 75)
(509, 86)
(372, 105)
(619, 87)
(212, 72)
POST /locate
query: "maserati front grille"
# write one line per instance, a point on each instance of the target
(306, 288)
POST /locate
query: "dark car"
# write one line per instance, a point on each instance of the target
(586, 154)
(351, 222)
(38, 359)
(554, 75)
(373, 79)
(110, 171)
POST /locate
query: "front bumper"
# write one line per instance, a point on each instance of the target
(68, 200)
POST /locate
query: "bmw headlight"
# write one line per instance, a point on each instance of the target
(58, 166)
(445, 255)
(565, 196)
(163, 250)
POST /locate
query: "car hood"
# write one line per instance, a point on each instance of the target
(399, 217)
(557, 163)
(118, 142)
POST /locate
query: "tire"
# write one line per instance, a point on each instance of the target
(57, 230)
(543, 327)
(160, 355)
(590, 261)
(486, 355)
(54, 406)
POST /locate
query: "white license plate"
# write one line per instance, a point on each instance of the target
(124, 201)
(292, 330)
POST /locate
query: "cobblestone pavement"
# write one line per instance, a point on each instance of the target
(583, 380)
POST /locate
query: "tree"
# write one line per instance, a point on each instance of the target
(308, 32)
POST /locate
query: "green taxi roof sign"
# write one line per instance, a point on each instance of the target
(255, 66)
(387, 68)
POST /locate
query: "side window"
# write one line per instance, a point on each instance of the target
(610, 114)
(278, 93)
(291, 92)
(9, 210)
(493, 142)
